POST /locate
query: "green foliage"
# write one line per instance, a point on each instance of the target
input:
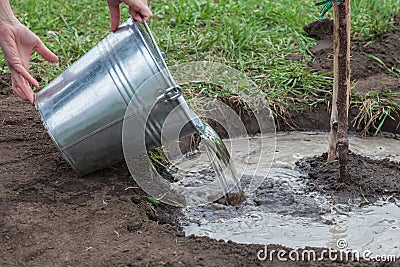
(152, 201)
(250, 35)
(159, 159)
(374, 109)
(370, 18)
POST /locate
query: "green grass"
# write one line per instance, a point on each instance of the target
(250, 35)
(377, 107)
(374, 109)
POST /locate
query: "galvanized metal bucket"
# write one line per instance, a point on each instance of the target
(83, 109)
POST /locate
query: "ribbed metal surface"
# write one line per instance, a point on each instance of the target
(83, 109)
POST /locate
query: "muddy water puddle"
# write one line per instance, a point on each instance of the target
(280, 210)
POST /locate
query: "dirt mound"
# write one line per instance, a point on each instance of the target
(368, 75)
(370, 179)
(364, 55)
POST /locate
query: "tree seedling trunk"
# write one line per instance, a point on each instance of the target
(338, 139)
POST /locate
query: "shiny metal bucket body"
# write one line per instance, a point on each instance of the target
(83, 109)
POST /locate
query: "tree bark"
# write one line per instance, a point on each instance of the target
(338, 139)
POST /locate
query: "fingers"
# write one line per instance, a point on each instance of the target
(146, 13)
(20, 82)
(45, 52)
(21, 87)
(25, 74)
(135, 15)
(16, 88)
(138, 9)
(115, 16)
(20, 72)
(138, 16)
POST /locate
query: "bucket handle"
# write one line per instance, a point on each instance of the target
(174, 91)
(171, 93)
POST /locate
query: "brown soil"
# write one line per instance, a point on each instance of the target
(49, 216)
(366, 73)
(385, 47)
(370, 179)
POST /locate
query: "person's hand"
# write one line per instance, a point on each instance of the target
(136, 8)
(17, 43)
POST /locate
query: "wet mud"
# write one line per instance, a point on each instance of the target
(370, 179)
(50, 216)
(301, 203)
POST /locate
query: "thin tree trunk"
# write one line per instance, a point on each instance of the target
(338, 139)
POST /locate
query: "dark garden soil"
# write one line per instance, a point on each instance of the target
(49, 216)
(367, 74)
(370, 179)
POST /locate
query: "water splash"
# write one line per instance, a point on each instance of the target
(221, 162)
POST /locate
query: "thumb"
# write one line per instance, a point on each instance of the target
(45, 52)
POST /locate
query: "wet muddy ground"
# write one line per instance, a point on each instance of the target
(301, 204)
(49, 216)
(52, 217)
(370, 179)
